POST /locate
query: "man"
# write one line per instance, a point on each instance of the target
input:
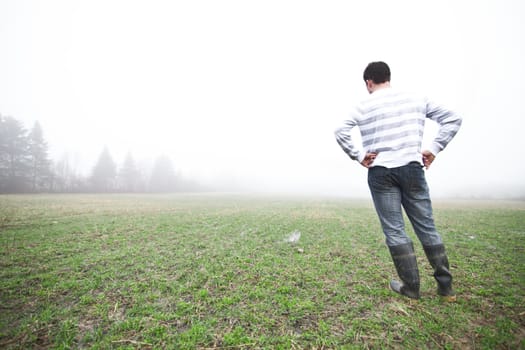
(391, 125)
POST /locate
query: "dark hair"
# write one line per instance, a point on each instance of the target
(378, 72)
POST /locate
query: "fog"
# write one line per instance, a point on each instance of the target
(246, 94)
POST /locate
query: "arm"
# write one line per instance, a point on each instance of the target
(344, 139)
(449, 124)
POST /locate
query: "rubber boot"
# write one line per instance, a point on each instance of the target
(438, 259)
(406, 266)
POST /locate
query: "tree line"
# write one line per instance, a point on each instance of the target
(26, 167)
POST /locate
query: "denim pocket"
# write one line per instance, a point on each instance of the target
(379, 178)
(417, 184)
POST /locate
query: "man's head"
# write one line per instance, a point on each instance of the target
(376, 74)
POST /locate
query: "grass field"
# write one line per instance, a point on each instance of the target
(217, 271)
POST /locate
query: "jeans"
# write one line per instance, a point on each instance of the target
(403, 186)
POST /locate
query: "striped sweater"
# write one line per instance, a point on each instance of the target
(392, 124)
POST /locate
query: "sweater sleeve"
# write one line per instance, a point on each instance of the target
(344, 138)
(449, 124)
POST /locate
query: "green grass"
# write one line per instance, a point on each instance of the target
(212, 271)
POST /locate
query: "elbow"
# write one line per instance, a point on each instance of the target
(453, 120)
(458, 119)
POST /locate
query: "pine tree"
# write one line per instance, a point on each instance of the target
(14, 156)
(40, 171)
(129, 175)
(104, 173)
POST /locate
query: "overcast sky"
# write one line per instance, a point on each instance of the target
(251, 91)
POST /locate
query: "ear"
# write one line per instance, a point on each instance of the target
(370, 85)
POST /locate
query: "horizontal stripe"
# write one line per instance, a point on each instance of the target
(414, 123)
(416, 145)
(392, 112)
(392, 134)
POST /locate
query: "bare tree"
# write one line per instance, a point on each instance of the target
(66, 177)
(163, 177)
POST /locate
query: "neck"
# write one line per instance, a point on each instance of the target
(374, 87)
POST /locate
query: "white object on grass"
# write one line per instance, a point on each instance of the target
(294, 237)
